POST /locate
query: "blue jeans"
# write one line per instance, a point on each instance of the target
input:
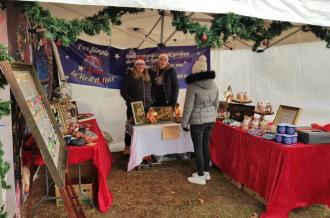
(200, 135)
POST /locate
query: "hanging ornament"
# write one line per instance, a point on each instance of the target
(265, 43)
(58, 43)
(204, 37)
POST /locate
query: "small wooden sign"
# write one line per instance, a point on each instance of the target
(171, 132)
(36, 110)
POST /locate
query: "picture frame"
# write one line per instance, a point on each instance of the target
(138, 112)
(60, 116)
(36, 110)
(164, 114)
(287, 114)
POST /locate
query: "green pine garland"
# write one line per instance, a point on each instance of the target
(224, 26)
(67, 31)
(4, 56)
(321, 32)
(232, 25)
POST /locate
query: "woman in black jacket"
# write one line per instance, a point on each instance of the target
(136, 87)
(165, 85)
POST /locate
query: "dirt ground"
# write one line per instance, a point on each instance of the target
(162, 191)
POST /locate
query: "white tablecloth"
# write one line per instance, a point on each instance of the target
(147, 140)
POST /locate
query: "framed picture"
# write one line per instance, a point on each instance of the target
(287, 114)
(164, 114)
(36, 110)
(138, 112)
(60, 116)
(237, 111)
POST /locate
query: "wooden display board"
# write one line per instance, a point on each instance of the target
(36, 110)
(287, 114)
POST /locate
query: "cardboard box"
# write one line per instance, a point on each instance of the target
(86, 189)
(87, 171)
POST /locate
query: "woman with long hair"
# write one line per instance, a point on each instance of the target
(136, 87)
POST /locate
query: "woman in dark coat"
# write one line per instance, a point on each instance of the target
(165, 85)
(136, 87)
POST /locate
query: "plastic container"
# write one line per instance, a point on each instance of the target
(281, 128)
(279, 138)
(290, 129)
(287, 139)
(294, 139)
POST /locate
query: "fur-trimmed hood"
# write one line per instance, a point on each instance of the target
(200, 76)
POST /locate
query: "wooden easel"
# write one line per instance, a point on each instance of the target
(70, 199)
(35, 107)
(68, 194)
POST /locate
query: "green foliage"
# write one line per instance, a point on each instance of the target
(4, 108)
(68, 30)
(4, 168)
(4, 56)
(225, 26)
(321, 32)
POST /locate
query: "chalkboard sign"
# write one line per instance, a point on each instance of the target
(36, 110)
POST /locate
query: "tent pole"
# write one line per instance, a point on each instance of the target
(243, 43)
(58, 62)
(285, 37)
(162, 29)
(172, 34)
(152, 29)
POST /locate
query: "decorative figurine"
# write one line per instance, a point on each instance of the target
(177, 113)
(269, 108)
(229, 95)
(261, 107)
(255, 123)
(151, 117)
(240, 96)
(246, 96)
(246, 122)
(263, 124)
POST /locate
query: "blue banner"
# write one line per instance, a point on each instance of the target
(104, 66)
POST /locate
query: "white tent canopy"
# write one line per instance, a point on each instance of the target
(295, 74)
(134, 28)
(297, 11)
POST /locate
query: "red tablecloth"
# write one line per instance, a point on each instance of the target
(287, 177)
(101, 157)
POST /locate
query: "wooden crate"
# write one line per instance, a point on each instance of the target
(255, 195)
(86, 189)
(232, 181)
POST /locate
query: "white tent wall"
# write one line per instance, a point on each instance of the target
(293, 75)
